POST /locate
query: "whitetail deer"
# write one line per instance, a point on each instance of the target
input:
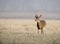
(40, 23)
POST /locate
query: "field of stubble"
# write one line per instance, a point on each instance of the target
(24, 31)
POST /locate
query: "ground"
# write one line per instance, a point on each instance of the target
(24, 31)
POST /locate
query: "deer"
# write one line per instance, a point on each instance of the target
(40, 23)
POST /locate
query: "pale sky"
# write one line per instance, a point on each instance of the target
(29, 6)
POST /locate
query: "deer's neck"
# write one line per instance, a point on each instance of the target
(38, 21)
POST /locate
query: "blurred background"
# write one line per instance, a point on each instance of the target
(27, 9)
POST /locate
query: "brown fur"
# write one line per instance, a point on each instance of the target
(40, 23)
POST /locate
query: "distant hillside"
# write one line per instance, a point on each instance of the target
(29, 15)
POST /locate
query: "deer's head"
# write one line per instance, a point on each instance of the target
(37, 18)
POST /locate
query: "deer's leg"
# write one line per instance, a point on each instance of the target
(41, 30)
(38, 31)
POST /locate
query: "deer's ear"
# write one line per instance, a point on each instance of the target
(36, 15)
(40, 15)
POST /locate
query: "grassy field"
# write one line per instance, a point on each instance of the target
(24, 31)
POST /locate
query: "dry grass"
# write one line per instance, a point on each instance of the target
(20, 31)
